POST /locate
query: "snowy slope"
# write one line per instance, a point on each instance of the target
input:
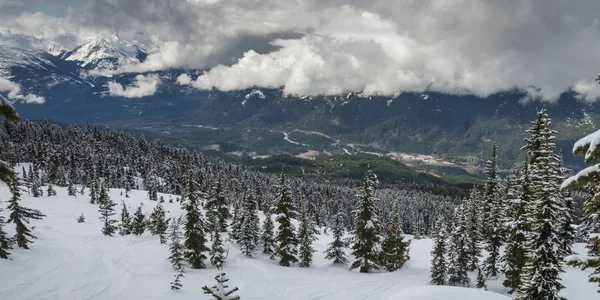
(102, 54)
(74, 261)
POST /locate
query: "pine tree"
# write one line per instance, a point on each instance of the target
(107, 210)
(480, 280)
(21, 215)
(267, 239)
(472, 221)
(138, 224)
(236, 224)
(439, 265)
(394, 248)
(335, 251)
(176, 283)
(567, 233)
(195, 239)
(50, 191)
(541, 273)
(8, 112)
(367, 229)
(217, 204)
(94, 190)
(306, 237)
(158, 223)
(287, 242)
(5, 241)
(176, 247)
(458, 263)
(250, 229)
(126, 224)
(221, 290)
(491, 218)
(217, 252)
(71, 190)
(81, 219)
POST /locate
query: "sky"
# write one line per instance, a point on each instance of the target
(543, 47)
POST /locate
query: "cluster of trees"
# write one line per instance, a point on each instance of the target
(527, 212)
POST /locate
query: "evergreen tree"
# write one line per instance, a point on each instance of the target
(394, 248)
(217, 252)
(81, 219)
(567, 233)
(7, 111)
(267, 239)
(367, 229)
(176, 247)
(50, 191)
(472, 221)
(107, 210)
(306, 237)
(126, 222)
(138, 224)
(195, 239)
(158, 222)
(94, 190)
(480, 280)
(217, 204)
(439, 265)
(458, 263)
(287, 242)
(335, 251)
(71, 190)
(21, 215)
(176, 283)
(250, 229)
(491, 218)
(5, 241)
(236, 224)
(221, 290)
(540, 278)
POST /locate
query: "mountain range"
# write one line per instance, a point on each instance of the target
(427, 130)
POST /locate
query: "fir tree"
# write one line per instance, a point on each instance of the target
(94, 190)
(7, 111)
(81, 219)
(458, 263)
(335, 251)
(287, 242)
(176, 283)
(107, 210)
(221, 290)
(217, 252)
(306, 237)
(472, 221)
(138, 224)
(367, 229)
(50, 191)
(158, 223)
(5, 241)
(439, 266)
(250, 230)
(267, 239)
(217, 204)
(394, 249)
(176, 247)
(491, 218)
(195, 239)
(71, 190)
(540, 278)
(21, 215)
(126, 225)
(480, 280)
(236, 224)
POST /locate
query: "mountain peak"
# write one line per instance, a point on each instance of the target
(104, 54)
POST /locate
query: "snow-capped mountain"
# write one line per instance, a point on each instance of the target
(103, 54)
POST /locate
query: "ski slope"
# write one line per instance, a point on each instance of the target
(71, 260)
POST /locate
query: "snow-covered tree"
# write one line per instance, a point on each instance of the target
(250, 230)
(335, 251)
(217, 252)
(195, 237)
(472, 221)
(8, 112)
(5, 241)
(287, 242)
(71, 190)
(107, 210)
(126, 225)
(439, 264)
(176, 283)
(158, 223)
(458, 262)
(367, 229)
(267, 239)
(50, 191)
(217, 203)
(492, 218)
(21, 215)
(176, 247)
(81, 219)
(221, 290)
(138, 224)
(540, 278)
(394, 249)
(480, 280)
(306, 237)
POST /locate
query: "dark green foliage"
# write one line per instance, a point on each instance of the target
(176, 248)
(5, 241)
(176, 283)
(306, 237)
(250, 227)
(7, 111)
(458, 256)
(491, 223)
(335, 251)
(71, 190)
(126, 225)
(107, 210)
(21, 215)
(81, 219)
(439, 265)
(480, 280)
(267, 239)
(216, 204)
(367, 229)
(50, 191)
(394, 249)
(138, 224)
(217, 252)
(195, 239)
(158, 223)
(287, 242)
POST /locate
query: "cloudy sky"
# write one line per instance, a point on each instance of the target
(333, 46)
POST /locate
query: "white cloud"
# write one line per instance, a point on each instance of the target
(331, 46)
(142, 86)
(184, 79)
(15, 93)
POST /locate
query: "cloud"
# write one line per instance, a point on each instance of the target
(332, 46)
(15, 94)
(142, 86)
(184, 79)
